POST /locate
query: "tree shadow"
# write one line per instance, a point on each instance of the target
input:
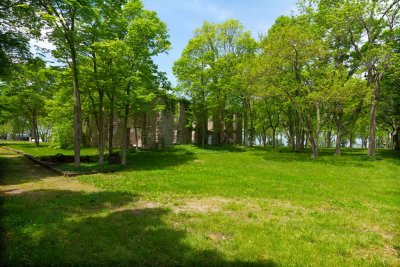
(158, 159)
(18, 169)
(223, 148)
(75, 228)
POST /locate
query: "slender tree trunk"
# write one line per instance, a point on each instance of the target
(77, 107)
(136, 134)
(111, 129)
(338, 143)
(273, 137)
(314, 148)
(328, 139)
(35, 128)
(204, 128)
(245, 125)
(318, 124)
(351, 139)
(101, 130)
(372, 130)
(313, 144)
(310, 134)
(303, 139)
(251, 137)
(372, 114)
(125, 136)
(100, 119)
(395, 139)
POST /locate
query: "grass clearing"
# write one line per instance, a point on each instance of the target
(44, 151)
(213, 206)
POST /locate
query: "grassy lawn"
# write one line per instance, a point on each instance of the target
(214, 206)
(44, 151)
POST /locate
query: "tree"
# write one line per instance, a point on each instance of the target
(18, 23)
(62, 18)
(365, 23)
(295, 53)
(205, 71)
(345, 98)
(27, 92)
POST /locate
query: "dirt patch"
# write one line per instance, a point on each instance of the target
(387, 251)
(217, 237)
(201, 205)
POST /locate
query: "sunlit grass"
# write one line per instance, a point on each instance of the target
(217, 206)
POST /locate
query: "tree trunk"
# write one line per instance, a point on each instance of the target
(273, 137)
(328, 139)
(111, 129)
(372, 130)
(318, 124)
(303, 139)
(338, 143)
(351, 139)
(204, 129)
(395, 139)
(372, 114)
(35, 129)
(101, 132)
(136, 135)
(245, 126)
(125, 136)
(77, 109)
(100, 119)
(314, 148)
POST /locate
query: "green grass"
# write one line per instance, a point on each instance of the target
(44, 150)
(217, 206)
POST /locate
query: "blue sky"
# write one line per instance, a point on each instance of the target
(184, 16)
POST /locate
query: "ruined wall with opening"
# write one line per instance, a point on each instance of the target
(163, 123)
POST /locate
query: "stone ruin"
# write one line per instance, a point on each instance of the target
(160, 127)
(154, 128)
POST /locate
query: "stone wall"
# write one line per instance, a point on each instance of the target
(150, 129)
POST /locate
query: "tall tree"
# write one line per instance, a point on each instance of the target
(62, 18)
(28, 91)
(295, 53)
(205, 70)
(364, 22)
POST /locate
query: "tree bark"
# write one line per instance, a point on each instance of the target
(395, 139)
(328, 139)
(136, 135)
(351, 141)
(313, 144)
(372, 114)
(338, 143)
(77, 109)
(245, 124)
(35, 128)
(101, 131)
(111, 129)
(273, 137)
(125, 136)
(372, 130)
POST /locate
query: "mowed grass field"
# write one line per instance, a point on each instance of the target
(219, 206)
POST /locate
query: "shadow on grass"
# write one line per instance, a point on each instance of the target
(74, 228)
(158, 159)
(16, 169)
(222, 148)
